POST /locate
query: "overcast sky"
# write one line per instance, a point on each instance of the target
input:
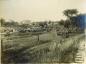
(37, 10)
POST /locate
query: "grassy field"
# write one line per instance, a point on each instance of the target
(26, 48)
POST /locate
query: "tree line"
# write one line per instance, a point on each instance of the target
(70, 21)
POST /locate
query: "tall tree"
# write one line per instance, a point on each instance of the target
(70, 12)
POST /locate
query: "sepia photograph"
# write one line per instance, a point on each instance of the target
(43, 31)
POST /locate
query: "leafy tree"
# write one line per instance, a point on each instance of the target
(61, 22)
(43, 24)
(11, 24)
(70, 12)
(24, 26)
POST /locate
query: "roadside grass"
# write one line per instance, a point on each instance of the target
(18, 50)
(14, 48)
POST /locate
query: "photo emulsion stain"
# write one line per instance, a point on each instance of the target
(43, 31)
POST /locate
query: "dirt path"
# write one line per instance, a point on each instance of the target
(81, 55)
